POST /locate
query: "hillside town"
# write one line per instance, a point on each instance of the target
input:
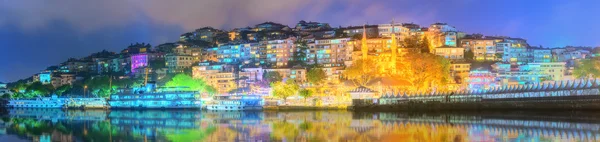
(316, 62)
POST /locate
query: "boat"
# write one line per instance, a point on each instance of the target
(86, 103)
(236, 102)
(40, 102)
(56, 102)
(150, 97)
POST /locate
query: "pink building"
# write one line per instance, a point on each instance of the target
(138, 61)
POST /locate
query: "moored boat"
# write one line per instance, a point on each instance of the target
(57, 102)
(150, 97)
(40, 102)
(236, 102)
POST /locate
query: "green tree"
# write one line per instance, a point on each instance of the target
(62, 89)
(98, 86)
(157, 64)
(285, 89)
(183, 80)
(469, 55)
(305, 93)
(272, 76)
(38, 89)
(316, 76)
(587, 68)
(6, 96)
(299, 56)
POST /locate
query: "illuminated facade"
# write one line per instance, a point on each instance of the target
(368, 30)
(63, 79)
(375, 46)
(220, 76)
(452, 53)
(541, 55)
(481, 79)
(484, 49)
(151, 97)
(180, 60)
(298, 75)
(45, 77)
(460, 71)
(442, 34)
(138, 61)
(329, 52)
(279, 52)
(553, 71)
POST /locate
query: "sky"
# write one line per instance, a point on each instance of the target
(35, 34)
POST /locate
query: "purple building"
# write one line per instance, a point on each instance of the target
(138, 61)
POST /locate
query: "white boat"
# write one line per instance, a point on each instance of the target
(236, 102)
(56, 102)
(41, 102)
(86, 103)
(148, 98)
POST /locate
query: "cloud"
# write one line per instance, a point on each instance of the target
(189, 14)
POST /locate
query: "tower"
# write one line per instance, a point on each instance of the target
(363, 42)
(394, 48)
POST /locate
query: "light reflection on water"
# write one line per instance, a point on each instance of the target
(195, 125)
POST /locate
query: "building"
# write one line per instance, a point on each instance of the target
(452, 53)
(442, 34)
(371, 31)
(45, 77)
(298, 75)
(178, 63)
(481, 79)
(386, 30)
(311, 26)
(541, 55)
(63, 79)
(279, 52)
(220, 76)
(483, 48)
(515, 54)
(138, 61)
(552, 71)
(180, 60)
(269, 26)
(375, 46)
(460, 71)
(329, 52)
(4, 89)
(252, 74)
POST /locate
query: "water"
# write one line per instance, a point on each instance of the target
(319, 126)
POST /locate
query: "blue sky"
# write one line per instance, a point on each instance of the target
(35, 34)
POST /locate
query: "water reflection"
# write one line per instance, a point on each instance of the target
(189, 125)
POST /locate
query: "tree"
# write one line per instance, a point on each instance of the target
(361, 72)
(38, 89)
(305, 93)
(284, 89)
(272, 76)
(183, 80)
(299, 56)
(587, 68)
(62, 89)
(424, 45)
(316, 76)
(98, 86)
(469, 55)
(6, 96)
(157, 64)
(425, 71)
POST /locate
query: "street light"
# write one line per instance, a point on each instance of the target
(85, 91)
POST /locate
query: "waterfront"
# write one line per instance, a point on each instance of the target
(196, 125)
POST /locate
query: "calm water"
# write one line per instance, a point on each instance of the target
(188, 125)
